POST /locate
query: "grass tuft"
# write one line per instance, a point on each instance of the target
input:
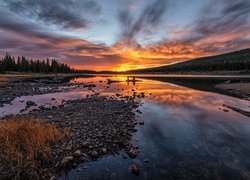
(25, 144)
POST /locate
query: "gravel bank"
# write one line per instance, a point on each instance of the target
(98, 126)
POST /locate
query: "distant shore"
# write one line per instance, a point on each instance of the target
(233, 83)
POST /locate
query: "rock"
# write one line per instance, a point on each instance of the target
(68, 148)
(132, 153)
(141, 122)
(134, 169)
(52, 178)
(77, 153)
(84, 145)
(22, 110)
(30, 103)
(113, 176)
(104, 150)
(66, 161)
(94, 154)
(138, 111)
(146, 161)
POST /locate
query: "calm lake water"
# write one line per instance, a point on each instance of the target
(187, 133)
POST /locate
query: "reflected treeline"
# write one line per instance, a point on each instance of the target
(202, 83)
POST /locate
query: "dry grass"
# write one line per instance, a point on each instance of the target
(24, 144)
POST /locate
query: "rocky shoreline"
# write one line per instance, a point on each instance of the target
(30, 86)
(98, 126)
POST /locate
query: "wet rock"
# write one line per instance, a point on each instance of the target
(66, 161)
(104, 150)
(141, 122)
(94, 154)
(22, 110)
(138, 111)
(30, 103)
(113, 176)
(68, 148)
(134, 169)
(77, 153)
(132, 153)
(52, 178)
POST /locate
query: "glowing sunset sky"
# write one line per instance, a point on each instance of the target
(122, 34)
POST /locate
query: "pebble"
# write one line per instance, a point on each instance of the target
(134, 169)
(77, 153)
(104, 150)
(94, 154)
(66, 161)
(132, 153)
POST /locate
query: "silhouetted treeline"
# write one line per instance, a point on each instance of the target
(22, 64)
(234, 61)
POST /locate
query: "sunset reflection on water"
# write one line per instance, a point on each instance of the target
(187, 134)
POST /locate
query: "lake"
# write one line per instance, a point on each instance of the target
(187, 132)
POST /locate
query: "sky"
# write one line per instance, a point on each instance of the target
(121, 35)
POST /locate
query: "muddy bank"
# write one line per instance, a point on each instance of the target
(98, 126)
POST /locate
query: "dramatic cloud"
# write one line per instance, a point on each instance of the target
(149, 19)
(224, 23)
(65, 13)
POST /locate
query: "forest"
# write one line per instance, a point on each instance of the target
(22, 64)
(233, 61)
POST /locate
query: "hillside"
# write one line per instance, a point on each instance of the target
(233, 61)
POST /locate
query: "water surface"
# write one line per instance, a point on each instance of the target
(187, 134)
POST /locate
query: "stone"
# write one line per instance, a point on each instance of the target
(141, 122)
(77, 153)
(132, 153)
(66, 161)
(104, 150)
(134, 169)
(68, 148)
(52, 178)
(30, 103)
(94, 154)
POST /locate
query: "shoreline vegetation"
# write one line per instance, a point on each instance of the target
(232, 63)
(228, 62)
